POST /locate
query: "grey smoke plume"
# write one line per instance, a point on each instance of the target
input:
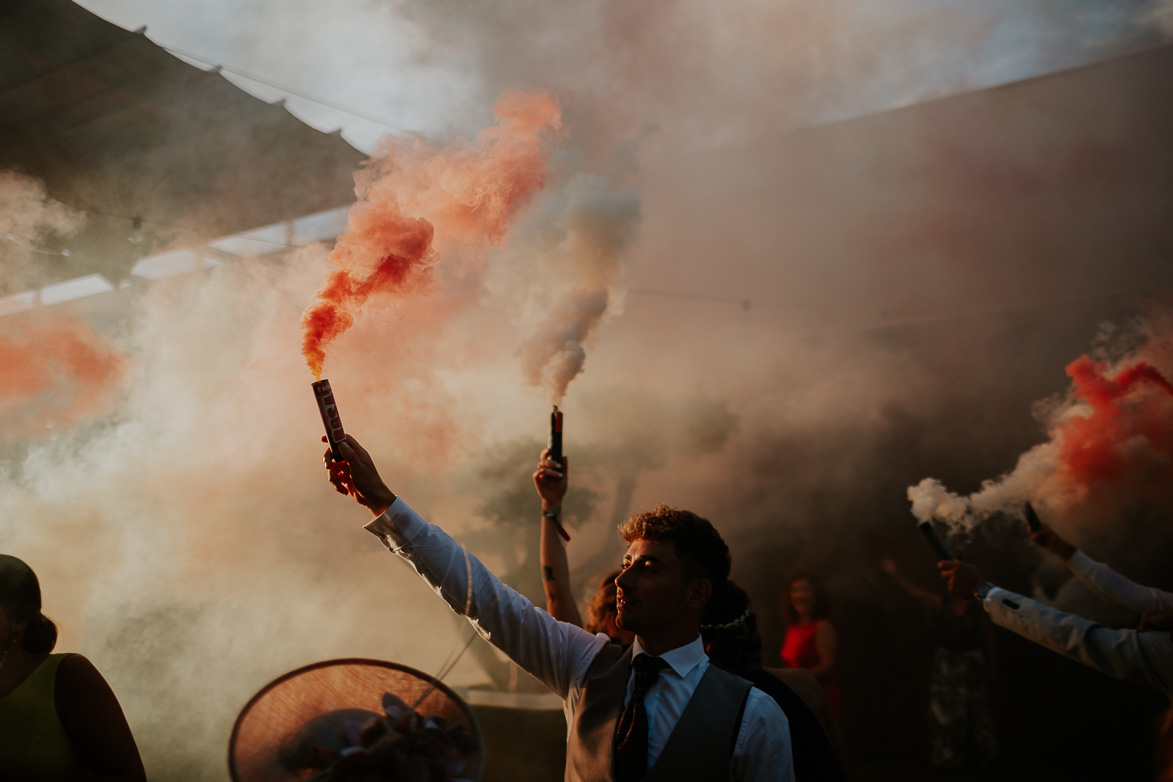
(567, 268)
(556, 354)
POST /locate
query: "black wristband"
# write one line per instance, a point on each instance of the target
(552, 514)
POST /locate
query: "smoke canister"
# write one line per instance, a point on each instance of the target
(926, 528)
(1032, 518)
(554, 443)
(329, 410)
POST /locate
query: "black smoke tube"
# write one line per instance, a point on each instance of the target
(1032, 518)
(554, 444)
(329, 410)
(926, 528)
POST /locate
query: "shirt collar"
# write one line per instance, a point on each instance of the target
(681, 660)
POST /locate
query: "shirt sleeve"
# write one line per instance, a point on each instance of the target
(556, 653)
(1129, 655)
(1116, 588)
(762, 751)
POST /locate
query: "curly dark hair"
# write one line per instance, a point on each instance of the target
(822, 606)
(729, 630)
(20, 597)
(697, 543)
(602, 604)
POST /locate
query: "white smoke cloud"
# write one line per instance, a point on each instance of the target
(27, 216)
(1030, 480)
(189, 544)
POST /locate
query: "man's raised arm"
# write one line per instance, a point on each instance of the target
(556, 653)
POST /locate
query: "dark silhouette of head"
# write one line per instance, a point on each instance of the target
(20, 600)
(729, 630)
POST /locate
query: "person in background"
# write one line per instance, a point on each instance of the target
(961, 712)
(551, 479)
(603, 613)
(810, 640)
(59, 719)
(730, 634)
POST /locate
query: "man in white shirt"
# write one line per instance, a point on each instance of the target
(1143, 656)
(619, 700)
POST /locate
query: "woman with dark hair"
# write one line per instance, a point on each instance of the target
(602, 612)
(730, 635)
(59, 719)
(810, 640)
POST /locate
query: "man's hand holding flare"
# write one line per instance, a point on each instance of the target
(356, 475)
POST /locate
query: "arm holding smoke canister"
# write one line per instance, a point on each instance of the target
(551, 479)
(556, 653)
(1143, 658)
(929, 600)
(1102, 579)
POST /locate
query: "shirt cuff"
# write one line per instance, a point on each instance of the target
(1003, 597)
(397, 524)
(1080, 563)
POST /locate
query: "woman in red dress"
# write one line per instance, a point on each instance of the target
(810, 637)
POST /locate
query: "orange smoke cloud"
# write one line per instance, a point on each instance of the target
(1129, 429)
(415, 195)
(56, 371)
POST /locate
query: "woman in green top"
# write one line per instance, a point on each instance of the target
(59, 719)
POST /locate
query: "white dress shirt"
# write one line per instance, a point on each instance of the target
(560, 654)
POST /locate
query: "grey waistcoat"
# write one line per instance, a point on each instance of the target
(699, 747)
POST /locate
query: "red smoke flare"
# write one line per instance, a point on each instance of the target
(1129, 430)
(55, 372)
(467, 191)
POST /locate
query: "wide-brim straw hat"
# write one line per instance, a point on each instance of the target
(275, 717)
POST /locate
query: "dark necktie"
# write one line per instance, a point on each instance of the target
(631, 732)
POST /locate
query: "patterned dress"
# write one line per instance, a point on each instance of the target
(961, 716)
